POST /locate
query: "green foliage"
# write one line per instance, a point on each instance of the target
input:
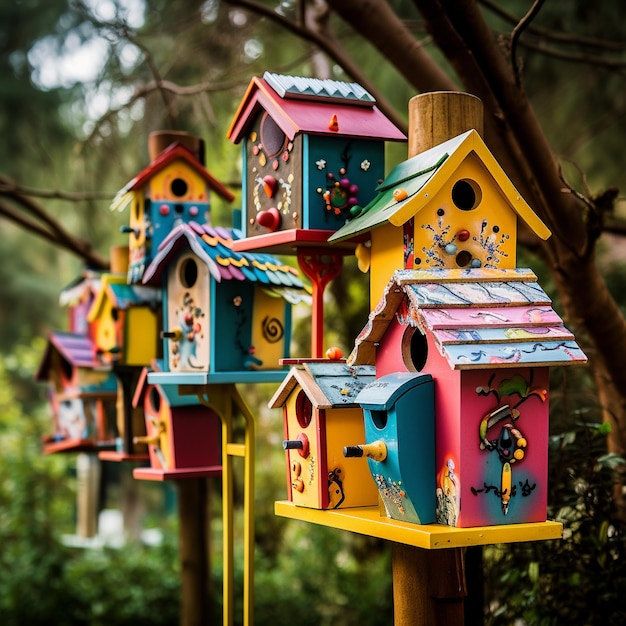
(43, 582)
(579, 579)
(323, 577)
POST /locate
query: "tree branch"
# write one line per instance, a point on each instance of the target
(45, 226)
(563, 38)
(332, 48)
(517, 33)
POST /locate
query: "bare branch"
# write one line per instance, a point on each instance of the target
(46, 226)
(516, 34)
(8, 187)
(332, 48)
(563, 38)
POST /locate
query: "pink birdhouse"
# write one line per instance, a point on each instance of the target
(488, 338)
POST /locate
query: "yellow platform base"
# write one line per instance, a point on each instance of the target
(368, 521)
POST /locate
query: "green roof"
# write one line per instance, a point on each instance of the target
(412, 174)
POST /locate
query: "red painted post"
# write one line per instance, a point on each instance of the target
(320, 267)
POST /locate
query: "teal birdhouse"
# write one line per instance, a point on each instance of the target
(175, 188)
(399, 418)
(312, 151)
(226, 315)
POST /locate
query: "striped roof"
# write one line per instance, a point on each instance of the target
(77, 350)
(213, 245)
(479, 318)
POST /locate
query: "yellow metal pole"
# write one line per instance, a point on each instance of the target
(219, 402)
(222, 401)
(248, 509)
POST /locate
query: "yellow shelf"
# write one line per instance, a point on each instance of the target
(368, 521)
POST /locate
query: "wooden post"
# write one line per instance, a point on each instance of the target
(193, 501)
(88, 472)
(429, 585)
(438, 116)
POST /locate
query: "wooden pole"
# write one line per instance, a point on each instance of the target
(88, 471)
(429, 585)
(438, 116)
(193, 498)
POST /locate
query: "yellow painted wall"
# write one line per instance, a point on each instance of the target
(345, 427)
(268, 328)
(491, 225)
(141, 336)
(387, 257)
(161, 183)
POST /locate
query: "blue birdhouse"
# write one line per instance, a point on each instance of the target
(226, 316)
(400, 444)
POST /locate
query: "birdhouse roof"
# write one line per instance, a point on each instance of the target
(88, 281)
(308, 105)
(169, 155)
(327, 384)
(422, 176)
(213, 245)
(76, 350)
(479, 318)
(122, 295)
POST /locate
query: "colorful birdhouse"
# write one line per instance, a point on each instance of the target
(125, 322)
(400, 444)
(312, 151)
(183, 437)
(226, 315)
(487, 337)
(78, 297)
(82, 396)
(320, 417)
(451, 206)
(174, 188)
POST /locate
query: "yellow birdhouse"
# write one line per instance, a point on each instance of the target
(449, 207)
(125, 322)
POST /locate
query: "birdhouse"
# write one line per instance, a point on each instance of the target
(312, 151)
(226, 315)
(487, 337)
(124, 322)
(82, 396)
(399, 445)
(78, 297)
(320, 417)
(183, 437)
(175, 187)
(451, 206)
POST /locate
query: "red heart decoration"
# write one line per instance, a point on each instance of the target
(269, 185)
(269, 219)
